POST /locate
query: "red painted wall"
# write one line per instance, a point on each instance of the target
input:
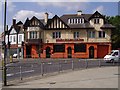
(102, 50)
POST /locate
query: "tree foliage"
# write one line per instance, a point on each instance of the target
(115, 37)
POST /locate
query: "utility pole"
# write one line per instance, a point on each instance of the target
(4, 68)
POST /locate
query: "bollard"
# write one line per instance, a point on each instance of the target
(20, 73)
(72, 65)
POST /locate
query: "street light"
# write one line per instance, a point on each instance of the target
(4, 67)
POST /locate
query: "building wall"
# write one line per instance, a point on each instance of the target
(68, 34)
(97, 50)
(97, 26)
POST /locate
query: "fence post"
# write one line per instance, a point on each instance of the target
(86, 63)
(79, 64)
(41, 68)
(59, 66)
(113, 62)
(72, 65)
(20, 73)
(32, 67)
(99, 63)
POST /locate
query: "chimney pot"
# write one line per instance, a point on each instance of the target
(79, 12)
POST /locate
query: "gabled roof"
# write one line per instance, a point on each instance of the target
(96, 15)
(27, 22)
(81, 26)
(52, 20)
(16, 28)
(19, 23)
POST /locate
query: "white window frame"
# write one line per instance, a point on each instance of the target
(10, 38)
(20, 38)
(76, 35)
(14, 39)
(56, 35)
(91, 34)
(33, 35)
(96, 20)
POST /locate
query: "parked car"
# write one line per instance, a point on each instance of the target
(15, 55)
(114, 56)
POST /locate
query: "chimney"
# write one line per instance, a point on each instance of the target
(46, 17)
(14, 21)
(79, 12)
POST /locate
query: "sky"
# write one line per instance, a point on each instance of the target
(21, 10)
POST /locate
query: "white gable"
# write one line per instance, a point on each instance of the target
(13, 31)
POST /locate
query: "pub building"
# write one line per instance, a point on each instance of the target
(68, 36)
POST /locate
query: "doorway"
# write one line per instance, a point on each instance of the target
(91, 52)
(69, 52)
(48, 53)
(28, 51)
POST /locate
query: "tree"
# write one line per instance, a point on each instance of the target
(115, 20)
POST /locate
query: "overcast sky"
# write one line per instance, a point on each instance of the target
(22, 10)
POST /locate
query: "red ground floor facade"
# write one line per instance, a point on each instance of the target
(68, 50)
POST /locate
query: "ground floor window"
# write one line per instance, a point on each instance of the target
(79, 48)
(59, 48)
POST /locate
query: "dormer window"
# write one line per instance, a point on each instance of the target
(75, 20)
(96, 21)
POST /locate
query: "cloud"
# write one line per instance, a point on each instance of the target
(23, 14)
(10, 6)
(50, 0)
(68, 6)
(100, 9)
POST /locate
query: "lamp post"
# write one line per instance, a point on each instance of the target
(4, 67)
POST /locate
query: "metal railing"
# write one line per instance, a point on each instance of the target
(21, 71)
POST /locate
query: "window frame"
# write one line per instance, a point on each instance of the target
(96, 21)
(57, 49)
(33, 35)
(91, 34)
(76, 35)
(10, 39)
(56, 34)
(80, 48)
(101, 34)
(76, 21)
(20, 38)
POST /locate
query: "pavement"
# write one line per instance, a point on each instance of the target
(100, 77)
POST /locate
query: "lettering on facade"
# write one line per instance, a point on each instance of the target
(68, 40)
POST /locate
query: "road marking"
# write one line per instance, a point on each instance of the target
(8, 75)
(11, 74)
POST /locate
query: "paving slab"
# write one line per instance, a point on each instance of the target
(104, 77)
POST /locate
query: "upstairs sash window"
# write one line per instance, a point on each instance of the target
(56, 34)
(76, 34)
(33, 35)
